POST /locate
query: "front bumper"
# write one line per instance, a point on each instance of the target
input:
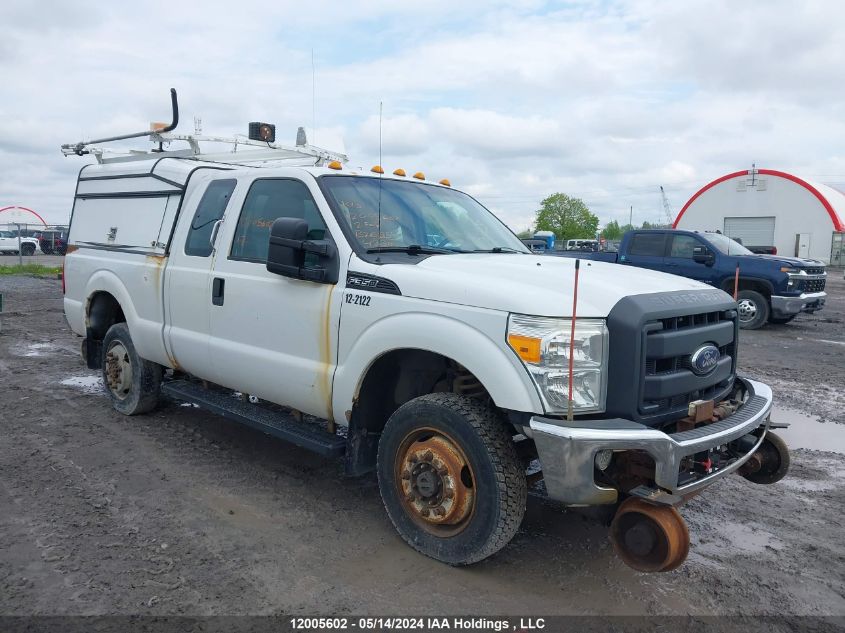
(805, 302)
(567, 450)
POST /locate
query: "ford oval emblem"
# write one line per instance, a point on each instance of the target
(705, 359)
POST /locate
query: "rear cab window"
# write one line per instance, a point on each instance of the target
(648, 244)
(210, 209)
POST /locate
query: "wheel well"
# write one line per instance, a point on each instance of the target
(391, 381)
(103, 312)
(748, 284)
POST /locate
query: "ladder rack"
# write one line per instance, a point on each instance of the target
(242, 150)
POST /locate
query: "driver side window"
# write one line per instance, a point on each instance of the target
(683, 246)
(267, 200)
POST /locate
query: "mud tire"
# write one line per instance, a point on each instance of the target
(144, 388)
(499, 483)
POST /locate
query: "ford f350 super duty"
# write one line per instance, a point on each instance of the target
(397, 323)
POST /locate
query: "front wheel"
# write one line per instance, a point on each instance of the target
(450, 478)
(28, 249)
(132, 382)
(753, 309)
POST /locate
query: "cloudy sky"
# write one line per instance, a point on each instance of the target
(511, 100)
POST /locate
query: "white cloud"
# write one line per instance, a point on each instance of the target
(510, 100)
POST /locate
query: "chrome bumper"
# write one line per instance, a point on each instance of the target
(805, 302)
(567, 450)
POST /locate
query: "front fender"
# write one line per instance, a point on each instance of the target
(482, 352)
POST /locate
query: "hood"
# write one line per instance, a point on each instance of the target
(795, 262)
(528, 284)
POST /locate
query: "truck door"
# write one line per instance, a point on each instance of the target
(188, 279)
(680, 262)
(271, 336)
(645, 250)
(7, 242)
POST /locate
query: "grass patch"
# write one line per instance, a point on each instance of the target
(31, 269)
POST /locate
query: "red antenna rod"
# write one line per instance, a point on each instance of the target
(572, 337)
(736, 281)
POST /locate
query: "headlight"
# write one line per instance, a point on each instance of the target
(543, 345)
(794, 275)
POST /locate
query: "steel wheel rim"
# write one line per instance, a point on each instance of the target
(747, 310)
(118, 370)
(435, 482)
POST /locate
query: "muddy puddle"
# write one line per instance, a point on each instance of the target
(86, 384)
(806, 431)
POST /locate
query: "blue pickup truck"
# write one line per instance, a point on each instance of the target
(772, 288)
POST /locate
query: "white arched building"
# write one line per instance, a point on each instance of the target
(764, 207)
(13, 216)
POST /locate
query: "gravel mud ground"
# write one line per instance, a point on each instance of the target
(180, 512)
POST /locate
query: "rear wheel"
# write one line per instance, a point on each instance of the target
(753, 309)
(132, 382)
(450, 478)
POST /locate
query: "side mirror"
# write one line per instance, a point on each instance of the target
(292, 254)
(701, 255)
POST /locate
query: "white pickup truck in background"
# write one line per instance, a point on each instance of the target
(11, 243)
(396, 322)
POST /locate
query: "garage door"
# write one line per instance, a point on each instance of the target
(751, 231)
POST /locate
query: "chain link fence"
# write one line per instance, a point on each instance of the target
(30, 243)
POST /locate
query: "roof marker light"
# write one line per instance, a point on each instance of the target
(446, 182)
(335, 164)
(419, 175)
(377, 169)
(399, 172)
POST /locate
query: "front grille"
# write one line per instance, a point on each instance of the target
(815, 271)
(652, 337)
(669, 384)
(811, 285)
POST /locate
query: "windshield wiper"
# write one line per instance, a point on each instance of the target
(498, 249)
(412, 249)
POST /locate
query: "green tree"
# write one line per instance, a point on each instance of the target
(612, 231)
(566, 217)
(527, 234)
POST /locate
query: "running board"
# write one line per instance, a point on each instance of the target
(279, 424)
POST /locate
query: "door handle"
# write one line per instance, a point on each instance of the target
(213, 237)
(217, 288)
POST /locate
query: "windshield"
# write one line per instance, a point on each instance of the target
(726, 245)
(415, 214)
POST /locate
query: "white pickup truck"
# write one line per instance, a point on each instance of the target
(396, 322)
(10, 242)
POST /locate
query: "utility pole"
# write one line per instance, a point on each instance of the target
(20, 252)
(631, 217)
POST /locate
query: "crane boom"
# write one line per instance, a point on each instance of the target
(670, 217)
